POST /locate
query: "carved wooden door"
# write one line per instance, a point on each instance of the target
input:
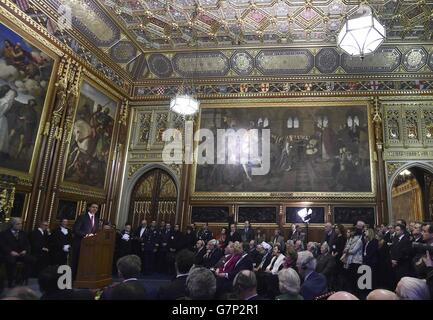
(153, 198)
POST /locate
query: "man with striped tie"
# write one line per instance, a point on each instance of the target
(86, 225)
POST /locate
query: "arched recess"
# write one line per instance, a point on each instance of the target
(132, 182)
(427, 166)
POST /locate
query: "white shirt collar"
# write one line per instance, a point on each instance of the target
(182, 275)
(399, 238)
(130, 279)
(41, 231)
(64, 230)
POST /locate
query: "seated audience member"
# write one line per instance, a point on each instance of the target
(245, 285)
(254, 253)
(48, 286)
(131, 290)
(128, 268)
(21, 293)
(409, 288)
(289, 284)
(200, 284)
(265, 250)
(276, 261)
(342, 295)
(39, 244)
(200, 251)
(212, 255)
(60, 243)
(290, 256)
(177, 288)
(314, 283)
(313, 248)
(15, 247)
(299, 246)
(382, 294)
(238, 261)
(326, 264)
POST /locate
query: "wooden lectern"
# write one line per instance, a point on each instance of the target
(96, 260)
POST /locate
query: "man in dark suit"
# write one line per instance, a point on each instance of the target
(205, 234)
(86, 225)
(151, 245)
(139, 239)
(165, 235)
(234, 234)
(15, 247)
(278, 238)
(212, 255)
(400, 252)
(176, 289)
(131, 288)
(60, 243)
(247, 234)
(39, 242)
(314, 284)
(245, 286)
(200, 251)
(329, 234)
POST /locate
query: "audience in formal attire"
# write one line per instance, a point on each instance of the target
(245, 286)
(200, 284)
(15, 248)
(39, 247)
(234, 235)
(409, 288)
(326, 264)
(60, 243)
(247, 233)
(177, 288)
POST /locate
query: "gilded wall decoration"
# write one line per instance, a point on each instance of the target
(123, 51)
(92, 136)
(412, 126)
(392, 167)
(327, 60)
(385, 59)
(144, 127)
(160, 65)
(427, 124)
(392, 126)
(161, 120)
(414, 59)
(242, 62)
(284, 61)
(132, 169)
(25, 73)
(201, 64)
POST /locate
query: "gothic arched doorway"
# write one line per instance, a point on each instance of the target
(153, 197)
(412, 194)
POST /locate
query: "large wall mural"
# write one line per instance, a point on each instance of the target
(24, 77)
(314, 149)
(91, 139)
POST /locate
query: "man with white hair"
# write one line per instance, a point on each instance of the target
(314, 283)
(409, 288)
(289, 284)
(213, 254)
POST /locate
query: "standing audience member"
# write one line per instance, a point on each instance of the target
(370, 255)
(234, 234)
(60, 243)
(329, 234)
(326, 264)
(39, 247)
(247, 234)
(401, 253)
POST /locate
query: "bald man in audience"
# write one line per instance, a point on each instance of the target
(342, 295)
(382, 294)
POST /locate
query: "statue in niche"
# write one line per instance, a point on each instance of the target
(412, 131)
(393, 129)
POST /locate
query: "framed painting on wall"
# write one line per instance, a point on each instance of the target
(350, 215)
(321, 150)
(210, 214)
(258, 214)
(91, 143)
(25, 73)
(67, 209)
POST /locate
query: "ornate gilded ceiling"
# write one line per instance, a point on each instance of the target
(151, 40)
(165, 24)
